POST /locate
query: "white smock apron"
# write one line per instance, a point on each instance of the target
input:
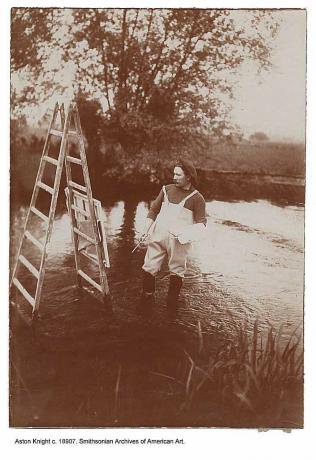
(171, 219)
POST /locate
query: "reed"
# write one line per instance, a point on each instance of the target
(116, 395)
(252, 378)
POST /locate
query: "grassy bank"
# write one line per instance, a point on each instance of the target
(251, 381)
(227, 170)
(275, 158)
(111, 162)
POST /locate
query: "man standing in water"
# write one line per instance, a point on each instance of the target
(176, 218)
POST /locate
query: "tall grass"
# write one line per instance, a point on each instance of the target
(252, 380)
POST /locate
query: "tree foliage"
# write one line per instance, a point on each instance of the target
(159, 73)
(259, 136)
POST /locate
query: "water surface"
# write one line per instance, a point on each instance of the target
(250, 265)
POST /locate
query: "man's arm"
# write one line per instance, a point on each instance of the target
(155, 206)
(199, 213)
(153, 212)
(197, 231)
(148, 223)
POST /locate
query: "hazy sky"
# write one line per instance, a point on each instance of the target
(275, 102)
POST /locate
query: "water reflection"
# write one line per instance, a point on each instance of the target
(114, 217)
(125, 239)
(141, 212)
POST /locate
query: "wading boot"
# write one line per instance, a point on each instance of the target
(175, 284)
(149, 285)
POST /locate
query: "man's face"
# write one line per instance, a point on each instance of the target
(180, 178)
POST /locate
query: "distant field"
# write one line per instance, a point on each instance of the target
(271, 158)
(264, 158)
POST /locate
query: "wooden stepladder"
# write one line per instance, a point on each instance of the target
(69, 127)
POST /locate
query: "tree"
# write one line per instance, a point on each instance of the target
(158, 72)
(259, 137)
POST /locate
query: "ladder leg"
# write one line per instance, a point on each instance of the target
(70, 198)
(35, 189)
(73, 234)
(107, 302)
(35, 317)
(103, 277)
(53, 206)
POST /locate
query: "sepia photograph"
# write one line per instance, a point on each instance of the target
(157, 210)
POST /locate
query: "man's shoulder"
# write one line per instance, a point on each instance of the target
(170, 187)
(198, 196)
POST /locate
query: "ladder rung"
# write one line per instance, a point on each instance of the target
(50, 160)
(55, 132)
(74, 160)
(91, 257)
(29, 266)
(82, 211)
(80, 195)
(45, 187)
(23, 291)
(39, 214)
(23, 314)
(78, 186)
(90, 280)
(86, 237)
(37, 243)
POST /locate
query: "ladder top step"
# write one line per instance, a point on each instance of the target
(56, 132)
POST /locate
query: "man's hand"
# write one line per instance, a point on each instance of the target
(143, 237)
(141, 241)
(148, 224)
(183, 239)
(195, 232)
